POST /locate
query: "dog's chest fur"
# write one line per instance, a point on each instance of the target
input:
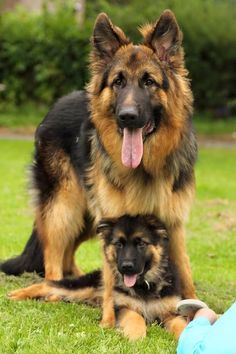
(152, 309)
(113, 193)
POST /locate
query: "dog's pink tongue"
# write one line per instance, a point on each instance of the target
(132, 147)
(130, 280)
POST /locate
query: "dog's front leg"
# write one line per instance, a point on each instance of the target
(175, 325)
(179, 257)
(108, 312)
(132, 324)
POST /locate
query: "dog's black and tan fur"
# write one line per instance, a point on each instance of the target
(146, 286)
(126, 146)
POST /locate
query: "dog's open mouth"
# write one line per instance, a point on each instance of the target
(148, 128)
(132, 146)
(130, 280)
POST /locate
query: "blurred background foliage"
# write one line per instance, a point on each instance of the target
(44, 55)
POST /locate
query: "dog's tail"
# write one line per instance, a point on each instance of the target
(85, 289)
(30, 260)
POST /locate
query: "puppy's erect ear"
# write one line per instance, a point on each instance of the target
(156, 225)
(165, 37)
(107, 38)
(105, 226)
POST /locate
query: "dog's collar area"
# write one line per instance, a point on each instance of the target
(141, 288)
(147, 283)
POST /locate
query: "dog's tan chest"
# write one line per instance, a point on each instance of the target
(152, 309)
(139, 197)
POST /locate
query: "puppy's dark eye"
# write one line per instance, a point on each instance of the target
(149, 82)
(141, 244)
(118, 244)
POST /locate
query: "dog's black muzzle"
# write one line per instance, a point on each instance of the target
(130, 118)
(127, 267)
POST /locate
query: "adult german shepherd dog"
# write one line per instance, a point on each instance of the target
(125, 146)
(146, 286)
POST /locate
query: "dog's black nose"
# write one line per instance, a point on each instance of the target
(128, 117)
(127, 267)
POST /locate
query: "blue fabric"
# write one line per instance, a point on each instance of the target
(199, 337)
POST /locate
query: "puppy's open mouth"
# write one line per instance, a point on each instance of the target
(130, 280)
(132, 146)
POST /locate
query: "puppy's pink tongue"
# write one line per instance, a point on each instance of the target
(132, 147)
(130, 280)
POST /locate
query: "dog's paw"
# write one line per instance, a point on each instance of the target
(108, 322)
(132, 324)
(134, 332)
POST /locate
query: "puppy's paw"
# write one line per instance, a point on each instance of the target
(132, 324)
(134, 332)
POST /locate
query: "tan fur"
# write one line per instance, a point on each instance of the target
(179, 254)
(108, 314)
(62, 216)
(132, 324)
(123, 190)
(175, 325)
(50, 293)
(158, 308)
(134, 310)
(130, 318)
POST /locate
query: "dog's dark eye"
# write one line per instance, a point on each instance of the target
(119, 244)
(118, 82)
(149, 82)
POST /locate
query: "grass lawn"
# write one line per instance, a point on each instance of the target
(37, 327)
(29, 116)
(26, 116)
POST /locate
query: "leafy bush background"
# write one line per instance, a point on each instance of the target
(43, 56)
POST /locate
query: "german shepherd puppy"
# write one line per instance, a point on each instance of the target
(146, 287)
(126, 146)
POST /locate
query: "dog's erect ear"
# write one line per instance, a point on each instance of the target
(107, 38)
(105, 225)
(165, 37)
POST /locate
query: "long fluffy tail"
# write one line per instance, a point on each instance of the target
(31, 259)
(86, 289)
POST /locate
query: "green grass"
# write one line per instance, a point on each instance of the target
(31, 115)
(26, 116)
(37, 327)
(205, 124)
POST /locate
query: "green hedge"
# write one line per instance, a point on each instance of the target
(45, 56)
(42, 56)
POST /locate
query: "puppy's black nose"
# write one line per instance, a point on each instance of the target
(127, 267)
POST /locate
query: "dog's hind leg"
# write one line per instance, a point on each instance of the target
(58, 228)
(88, 231)
(132, 324)
(69, 264)
(60, 215)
